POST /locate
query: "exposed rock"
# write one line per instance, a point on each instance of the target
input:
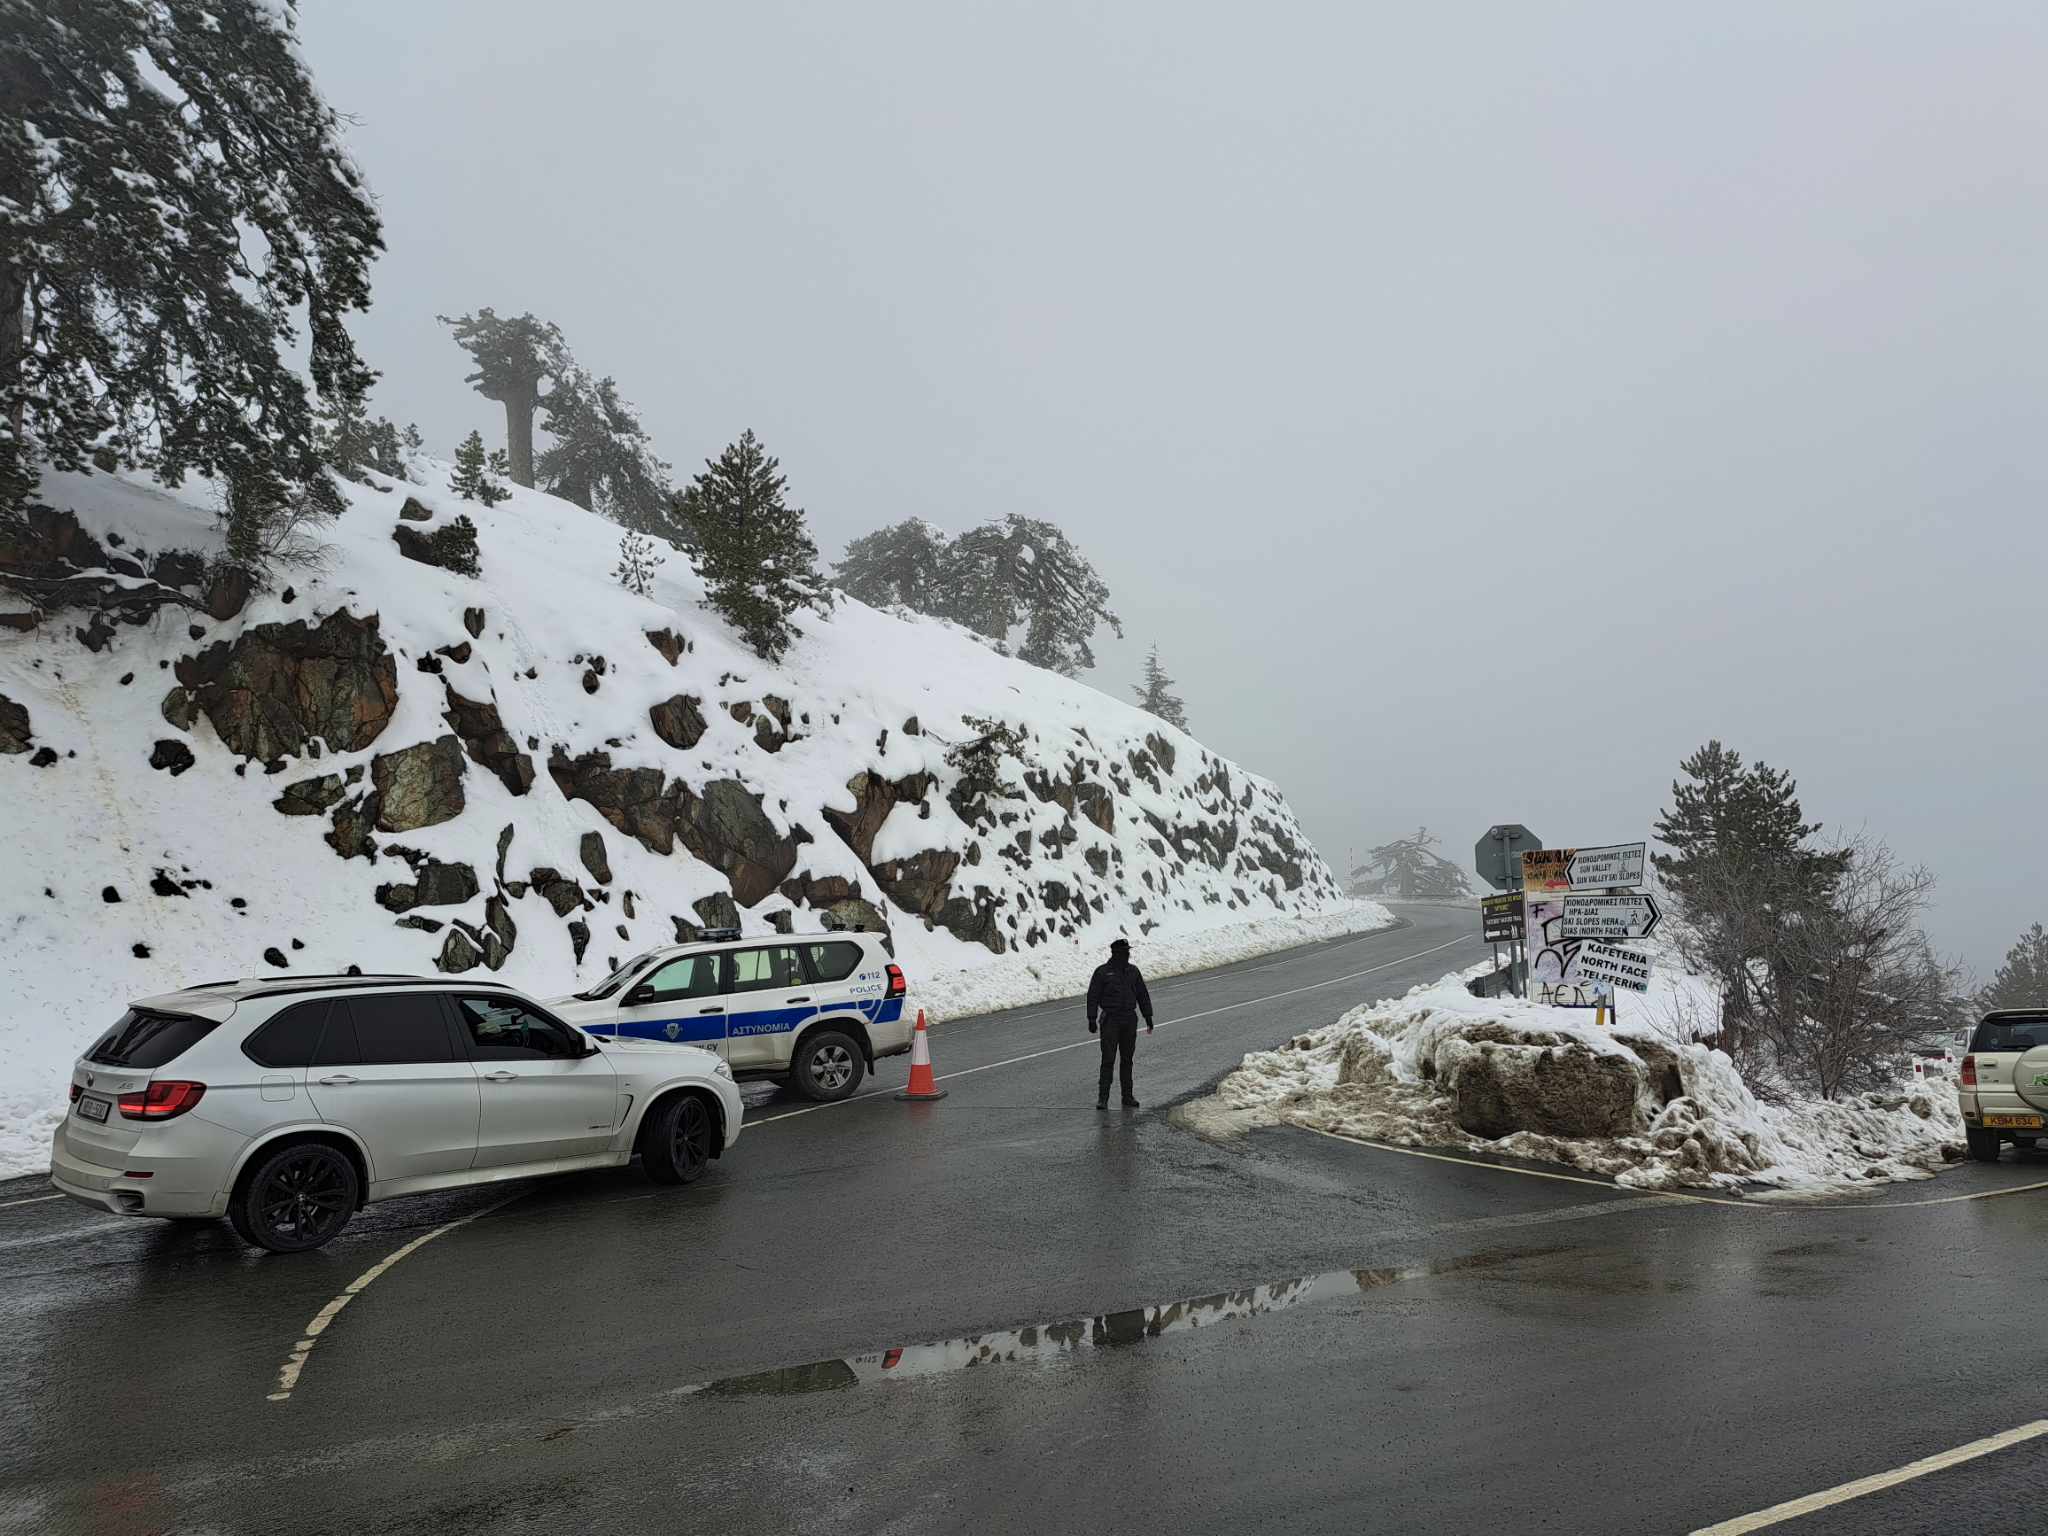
(228, 592)
(21, 620)
(43, 758)
(109, 895)
(278, 686)
(590, 676)
(504, 847)
(161, 884)
(487, 742)
(503, 933)
(473, 621)
(669, 643)
(309, 797)
(15, 734)
(726, 827)
(855, 915)
(178, 568)
(1054, 894)
(423, 924)
(450, 547)
(1553, 1090)
(414, 512)
(591, 851)
(179, 710)
(457, 653)
(459, 953)
(418, 786)
(717, 911)
(1162, 749)
(558, 891)
(275, 956)
(678, 721)
(579, 937)
(626, 902)
(434, 885)
(1097, 804)
(1098, 860)
(912, 728)
(874, 798)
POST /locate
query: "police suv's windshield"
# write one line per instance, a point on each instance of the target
(617, 979)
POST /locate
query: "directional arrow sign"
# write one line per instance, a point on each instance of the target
(1612, 963)
(1610, 917)
(1592, 869)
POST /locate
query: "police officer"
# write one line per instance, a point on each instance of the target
(1116, 996)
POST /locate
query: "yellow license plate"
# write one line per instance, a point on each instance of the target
(2013, 1122)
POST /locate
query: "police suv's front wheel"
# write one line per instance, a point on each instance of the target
(827, 1066)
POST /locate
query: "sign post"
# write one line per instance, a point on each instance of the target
(1498, 857)
(1580, 904)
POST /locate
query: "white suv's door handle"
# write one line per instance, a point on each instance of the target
(337, 1080)
(501, 1077)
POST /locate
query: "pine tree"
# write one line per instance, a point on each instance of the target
(1032, 565)
(513, 359)
(1156, 695)
(472, 478)
(387, 456)
(906, 565)
(138, 143)
(499, 462)
(637, 564)
(2022, 982)
(346, 437)
(1733, 823)
(602, 458)
(756, 555)
(415, 443)
(1408, 867)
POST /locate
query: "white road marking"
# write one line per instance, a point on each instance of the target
(1188, 1018)
(6, 1205)
(295, 1362)
(1792, 1509)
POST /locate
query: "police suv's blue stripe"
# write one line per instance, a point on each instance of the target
(700, 1028)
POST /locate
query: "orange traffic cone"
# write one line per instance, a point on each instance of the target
(922, 1084)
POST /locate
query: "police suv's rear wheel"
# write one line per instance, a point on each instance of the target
(827, 1066)
(1983, 1144)
(675, 1143)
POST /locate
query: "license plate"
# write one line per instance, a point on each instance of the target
(91, 1108)
(2014, 1122)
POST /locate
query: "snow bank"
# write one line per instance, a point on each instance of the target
(1442, 1068)
(1039, 976)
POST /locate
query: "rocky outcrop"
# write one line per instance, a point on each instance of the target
(678, 721)
(459, 952)
(591, 851)
(718, 911)
(725, 826)
(15, 735)
(874, 798)
(418, 786)
(433, 885)
(557, 890)
(487, 742)
(311, 797)
(169, 755)
(669, 643)
(276, 688)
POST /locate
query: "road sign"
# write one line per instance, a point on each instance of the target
(1615, 965)
(1602, 868)
(1610, 917)
(1498, 855)
(1584, 869)
(1500, 918)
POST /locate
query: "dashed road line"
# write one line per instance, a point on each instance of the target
(1793, 1509)
(8, 1205)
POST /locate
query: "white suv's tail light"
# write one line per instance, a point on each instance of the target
(161, 1100)
(1969, 1073)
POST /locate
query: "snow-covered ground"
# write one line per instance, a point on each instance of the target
(1634, 1102)
(1110, 822)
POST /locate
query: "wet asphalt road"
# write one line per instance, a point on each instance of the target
(1290, 1332)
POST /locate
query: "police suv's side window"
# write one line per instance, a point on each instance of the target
(766, 970)
(832, 962)
(691, 976)
(500, 1029)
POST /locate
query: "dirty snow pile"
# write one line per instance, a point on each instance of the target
(397, 760)
(1442, 1068)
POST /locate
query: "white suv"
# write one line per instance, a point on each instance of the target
(814, 1010)
(2003, 1085)
(286, 1105)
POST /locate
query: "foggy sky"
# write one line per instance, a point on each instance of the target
(1480, 406)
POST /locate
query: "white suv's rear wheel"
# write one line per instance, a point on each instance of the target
(296, 1198)
(827, 1066)
(1983, 1144)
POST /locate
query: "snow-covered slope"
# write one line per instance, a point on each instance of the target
(385, 764)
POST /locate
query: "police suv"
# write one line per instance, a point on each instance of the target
(813, 1010)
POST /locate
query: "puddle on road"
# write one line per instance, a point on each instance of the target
(1052, 1343)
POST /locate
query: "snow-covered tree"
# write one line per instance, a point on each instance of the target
(177, 216)
(1035, 566)
(1407, 867)
(346, 436)
(387, 453)
(755, 552)
(513, 358)
(637, 564)
(1156, 695)
(907, 564)
(601, 457)
(472, 478)
(2022, 982)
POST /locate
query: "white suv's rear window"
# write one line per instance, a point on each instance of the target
(145, 1039)
(2021, 1034)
